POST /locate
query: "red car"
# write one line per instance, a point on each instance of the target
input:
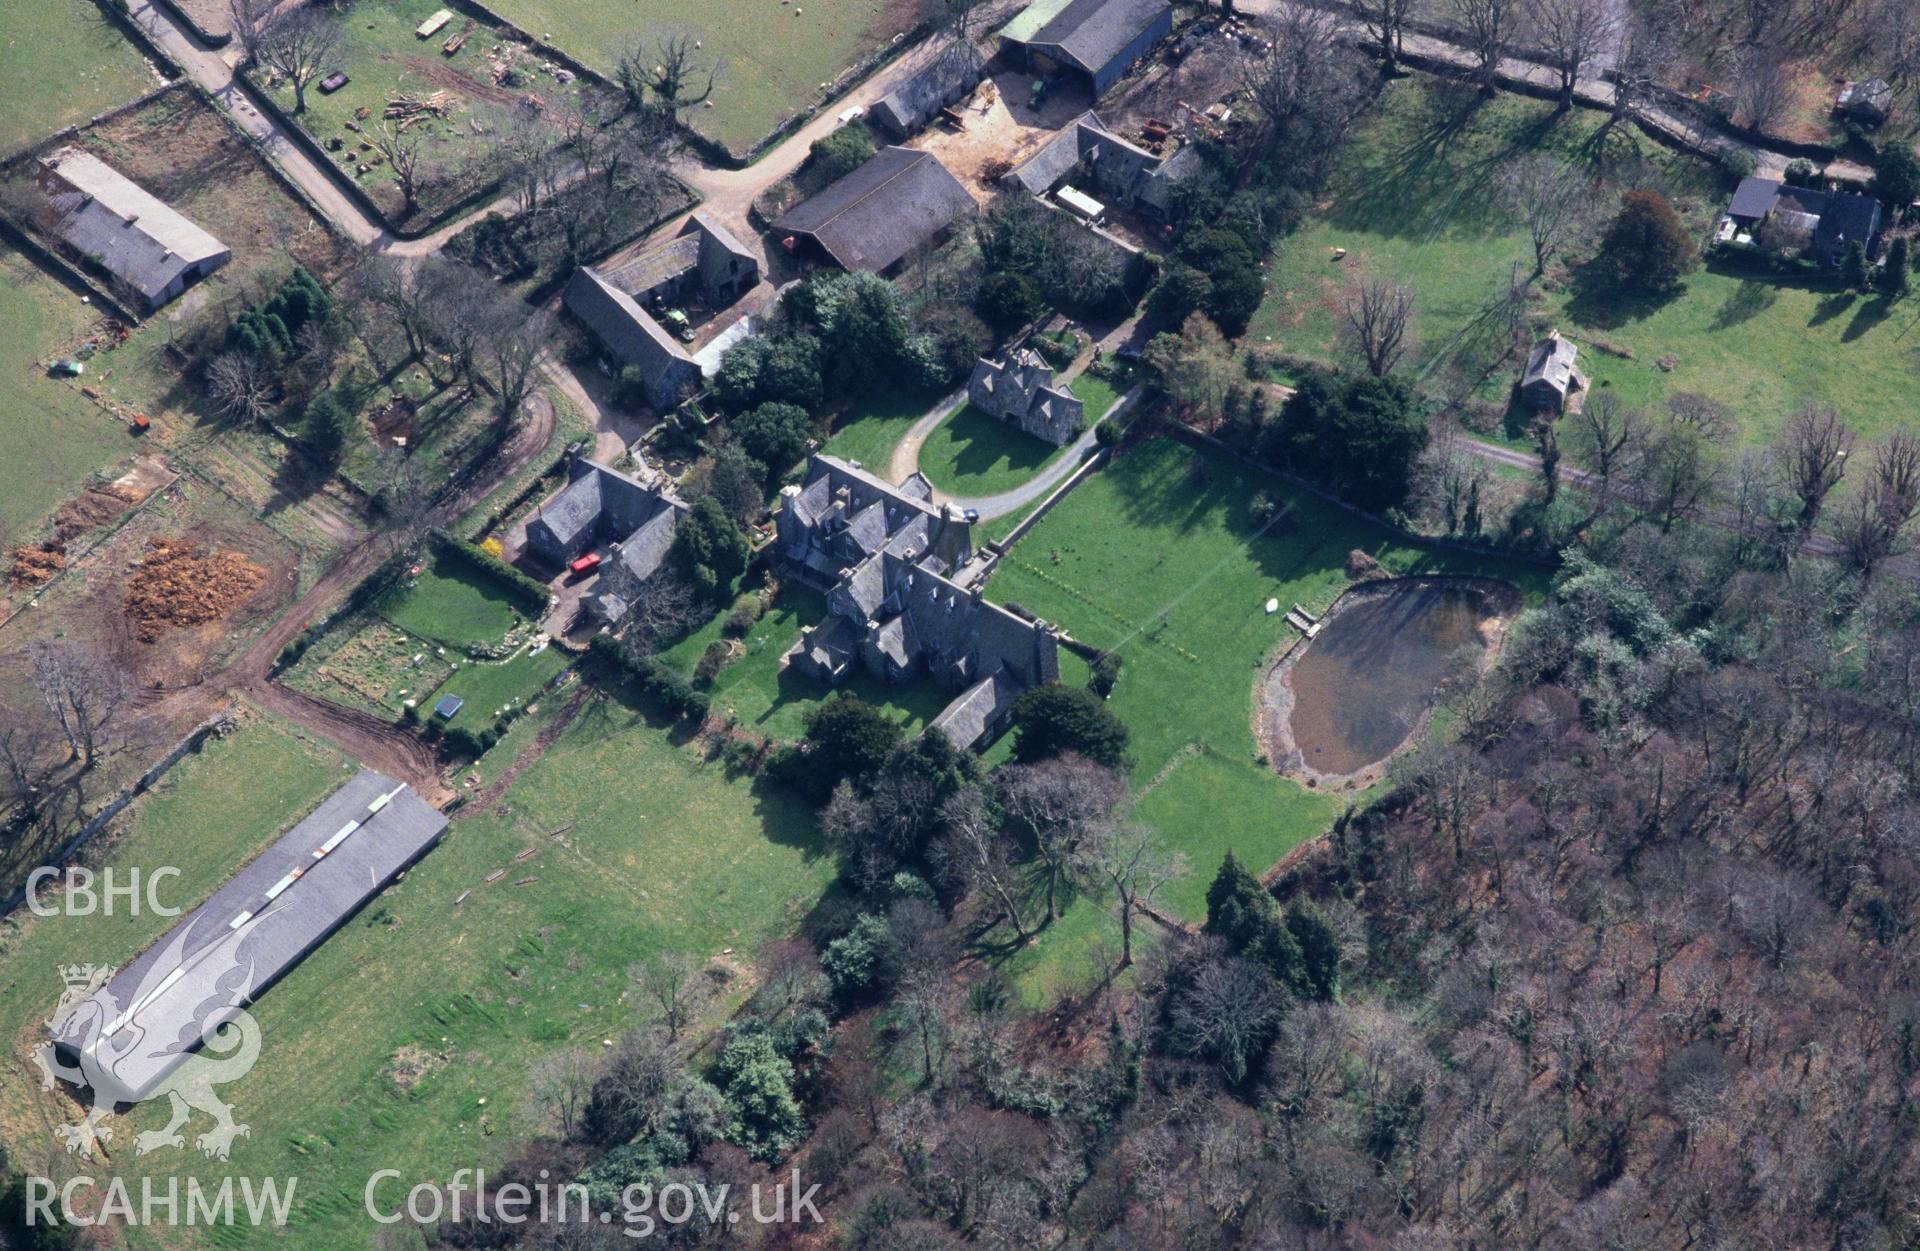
(585, 565)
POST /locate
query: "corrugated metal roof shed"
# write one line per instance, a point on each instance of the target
(134, 236)
(248, 934)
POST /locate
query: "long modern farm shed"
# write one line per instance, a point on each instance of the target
(250, 932)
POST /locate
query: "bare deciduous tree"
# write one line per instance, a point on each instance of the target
(1812, 455)
(1225, 1011)
(1572, 33)
(673, 985)
(1608, 435)
(402, 151)
(1066, 804)
(1132, 865)
(239, 384)
(1765, 89)
(1551, 198)
(1678, 473)
(1386, 23)
(665, 72)
(562, 1084)
(1488, 27)
(976, 857)
(85, 692)
(1379, 319)
(1308, 85)
(298, 44)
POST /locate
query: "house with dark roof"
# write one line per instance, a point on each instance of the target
(1550, 378)
(886, 556)
(271, 914)
(1833, 221)
(1089, 153)
(621, 308)
(896, 203)
(1020, 392)
(947, 79)
(1095, 41)
(1870, 101)
(634, 519)
(110, 220)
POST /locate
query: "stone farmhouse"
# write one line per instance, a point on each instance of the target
(144, 245)
(886, 556)
(946, 80)
(1020, 392)
(620, 308)
(1550, 380)
(634, 519)
(1087, 152)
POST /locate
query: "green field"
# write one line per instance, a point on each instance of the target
(61, 62)
(452, 604)
(775, 55)
(51, 437)
(1155, 557)
(971, 454)
(661, 851)
(871, 426)
(773, 703)
(497, 688)
(1414, 198)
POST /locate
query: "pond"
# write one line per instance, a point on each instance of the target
(1354, 695)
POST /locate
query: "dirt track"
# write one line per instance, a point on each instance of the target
(378, 744)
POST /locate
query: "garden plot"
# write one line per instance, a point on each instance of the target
(447, 630)
(374, 668)
(170, 595)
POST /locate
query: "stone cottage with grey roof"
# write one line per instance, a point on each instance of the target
(886, 556)
(635, 520)
(703, 259)
(948, 78)
(1099, 162)
(1020, 392)
(143, 244)
(1550, 380)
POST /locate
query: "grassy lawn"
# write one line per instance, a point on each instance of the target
(62, 62)
(384, 59)
(1415, 198)
(1155, 557)
(775, 57)
(774, 703)
(494, 687)
(452, 604)
(1097, 395)
(972, 454)
(870, 427)
(661, 851)
(51, 437)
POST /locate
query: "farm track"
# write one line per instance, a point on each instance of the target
(249, 476)
(379, 744)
